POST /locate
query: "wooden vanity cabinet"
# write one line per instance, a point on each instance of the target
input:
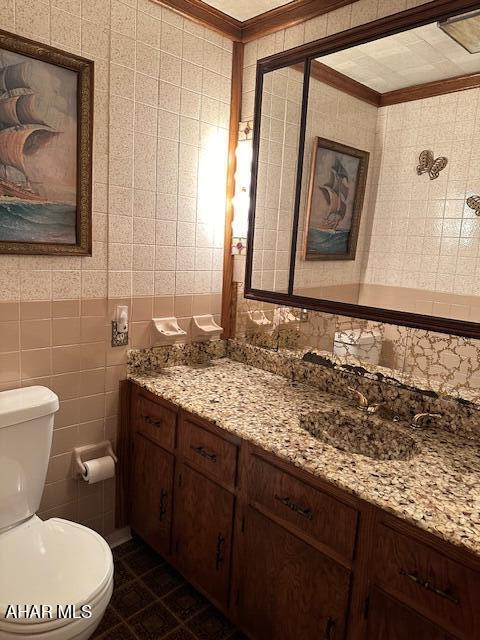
(287, 589)
(388, 619)
(203, 532)
(284, 554)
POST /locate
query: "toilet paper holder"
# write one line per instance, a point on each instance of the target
(90, 451)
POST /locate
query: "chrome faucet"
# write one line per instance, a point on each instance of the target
(419, 418)
(363, 402)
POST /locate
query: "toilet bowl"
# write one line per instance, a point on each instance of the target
(60, 571)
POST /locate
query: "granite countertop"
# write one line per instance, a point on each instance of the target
(438, 489)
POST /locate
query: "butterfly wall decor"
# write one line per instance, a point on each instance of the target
(474, 203)
(431, 165)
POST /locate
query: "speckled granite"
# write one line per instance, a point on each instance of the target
(159, 358)
(333, 376)
(437, 489)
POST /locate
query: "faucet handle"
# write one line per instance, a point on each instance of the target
(418, 418)
(363, 402)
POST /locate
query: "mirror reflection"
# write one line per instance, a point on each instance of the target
(277, 173)
(390, 192)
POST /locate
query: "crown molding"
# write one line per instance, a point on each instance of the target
(207, 16)
(288, 15)
(431, 89)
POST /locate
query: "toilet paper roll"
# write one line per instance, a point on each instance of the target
(99, 469)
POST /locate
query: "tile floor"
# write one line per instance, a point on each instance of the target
(151, 601)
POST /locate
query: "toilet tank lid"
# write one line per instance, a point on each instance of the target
(358, 336)
(21, 405)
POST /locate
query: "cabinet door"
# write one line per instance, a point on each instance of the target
(288, 589)
(390, 620)
(151, 493)
(203, 532)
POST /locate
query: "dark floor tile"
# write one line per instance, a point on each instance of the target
(134, 544)
(211, 625)
(110, 619)
(180, 634)
(130, 598)
(237, 635)
(153, 622)
(143, 560)
(122, 574)
(120, 632)
(185, 602)
(163, 580)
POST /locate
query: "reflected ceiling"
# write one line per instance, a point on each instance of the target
(414, 57)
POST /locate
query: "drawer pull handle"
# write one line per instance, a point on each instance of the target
(426, 584)
(163, 503)
(302, 511)
(154, 423)
(218, 552)
(329, 629)
(211, 457)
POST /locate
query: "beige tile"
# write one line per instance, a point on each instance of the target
(92, 355)
(9, 366)
(35, 310)
(140, 335)
(66, 359)
(66, 385)
(142, 309)
(163, 307)
(9, 311)
(68, 414)
(91, 507)
(65, 331)
(94, 307)
(9, 336)
(183, 306)
(116, 355)
(35, 334)
(66, 511)
(65, 308)
(113, 376)
(36, 363)
(92, 382)
(59, 467)
(92, 328)
(59, 493)
(202, 304)
(92, 408)
(91, 432)
(111, 403)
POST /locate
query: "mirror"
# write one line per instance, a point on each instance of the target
(279, 131)
(381, 201)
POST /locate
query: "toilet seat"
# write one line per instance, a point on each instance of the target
(52, 562)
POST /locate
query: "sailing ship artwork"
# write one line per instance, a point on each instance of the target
(41, 169)
(335, 201)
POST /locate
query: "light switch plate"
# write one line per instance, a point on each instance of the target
(119, 338)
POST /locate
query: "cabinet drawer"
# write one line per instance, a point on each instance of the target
(310, 510)
(429, 581)
(210, 452)
(156, 422)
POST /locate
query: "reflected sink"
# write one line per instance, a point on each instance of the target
(355, 432)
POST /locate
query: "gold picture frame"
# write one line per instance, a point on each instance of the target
(339, 175)
(45, 168)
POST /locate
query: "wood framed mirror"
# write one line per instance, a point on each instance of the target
(366, 159)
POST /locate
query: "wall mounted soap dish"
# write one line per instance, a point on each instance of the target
(167, 330)
(259, 318)
(206, 327)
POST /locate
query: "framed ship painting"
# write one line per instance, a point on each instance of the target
(335, 200)
(46, 98)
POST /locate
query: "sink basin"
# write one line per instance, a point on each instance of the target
(355, 432)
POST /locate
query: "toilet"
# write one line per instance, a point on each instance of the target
(364, 345)
(52, 562)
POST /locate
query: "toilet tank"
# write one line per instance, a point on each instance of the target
(26, 427)
(365, 345)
